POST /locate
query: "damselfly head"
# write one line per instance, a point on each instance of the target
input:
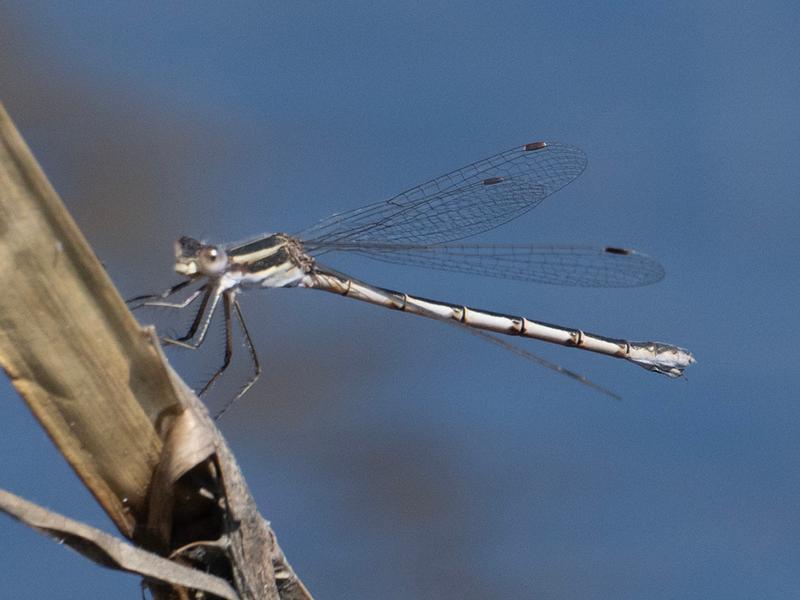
(193, 258)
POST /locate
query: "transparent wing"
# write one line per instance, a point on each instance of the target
(468, 201)
(560, 265)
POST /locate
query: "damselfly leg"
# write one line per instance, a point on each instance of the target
(251, 350)
(199, 327)
(147, 299)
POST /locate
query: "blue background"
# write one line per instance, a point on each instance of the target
(395, 456)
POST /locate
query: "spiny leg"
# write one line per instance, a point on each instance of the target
(178, 305)
(199, 322)
(165, 294)
(226, 306)
(157, 300)
(253, 355)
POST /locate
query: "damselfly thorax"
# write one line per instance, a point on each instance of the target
(277, 260)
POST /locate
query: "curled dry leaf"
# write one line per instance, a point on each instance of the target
(109, 551)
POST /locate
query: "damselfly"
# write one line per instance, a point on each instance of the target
(418, 227)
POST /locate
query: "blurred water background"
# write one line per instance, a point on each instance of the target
(396, 457)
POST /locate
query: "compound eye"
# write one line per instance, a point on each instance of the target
(210, 254)
(213, 259)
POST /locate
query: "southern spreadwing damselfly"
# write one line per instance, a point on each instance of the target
(418, 227)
